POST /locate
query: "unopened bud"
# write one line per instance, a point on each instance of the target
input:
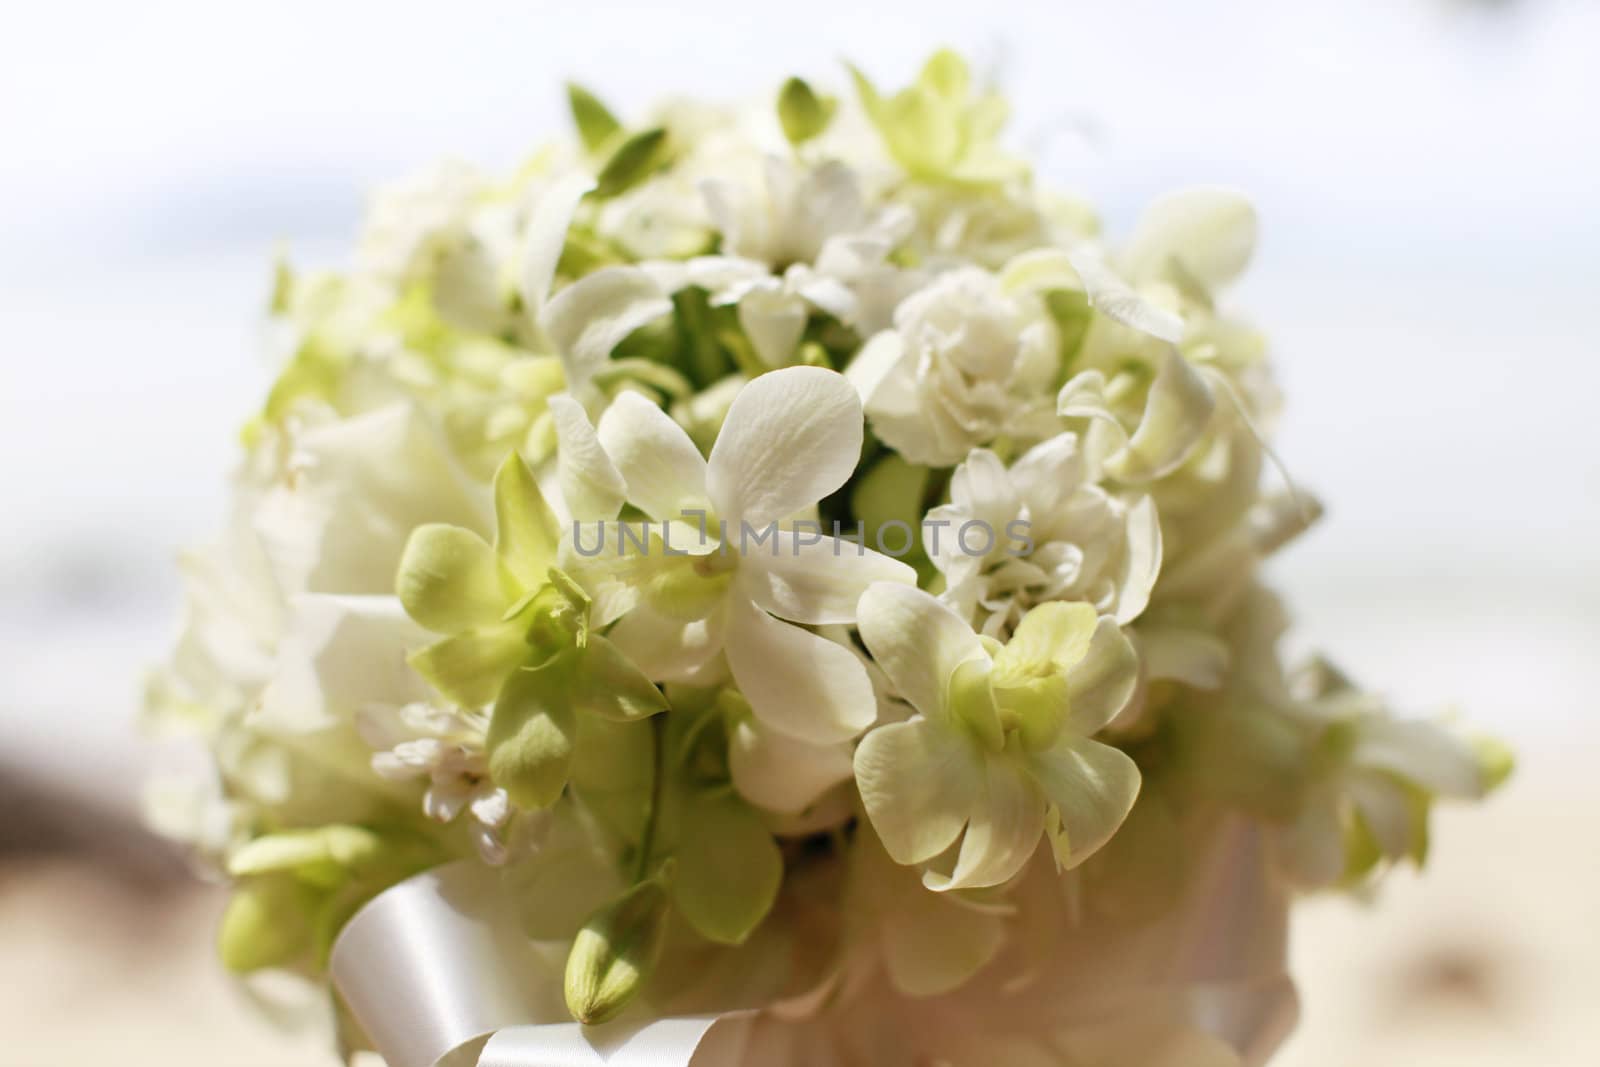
(615, 952)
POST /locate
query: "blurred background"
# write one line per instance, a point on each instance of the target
(1426, 173)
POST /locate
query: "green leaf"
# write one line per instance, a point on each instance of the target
(608, 684)
(802, 112)
(526, 533)
(469, 668)
(533, 732)
(615, 953)
(729, 868)
(450, 579)
(596, 125)
(633, 161)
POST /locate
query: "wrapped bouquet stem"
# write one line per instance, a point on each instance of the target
(775, 585)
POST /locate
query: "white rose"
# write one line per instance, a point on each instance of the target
(966, 363)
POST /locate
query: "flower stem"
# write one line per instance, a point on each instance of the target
(658, 737)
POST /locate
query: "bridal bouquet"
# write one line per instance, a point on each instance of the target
(777, 585)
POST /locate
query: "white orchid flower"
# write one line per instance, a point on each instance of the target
(1041, 530)
(1002, 751)
(790, 215)
(716, 572)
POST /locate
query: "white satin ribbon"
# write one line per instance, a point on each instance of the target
(439, 973)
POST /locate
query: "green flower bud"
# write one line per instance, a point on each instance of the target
(615, 953)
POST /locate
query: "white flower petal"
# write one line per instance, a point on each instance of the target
(872, 365)
(590, 317)
(341, 654)
(797, 682)
(774, 321)
(814, 578)
(444, 800)
(664, 472)
(1048, 474)
(781, 773)
(668, 649)
(791, 437)
(1421, 752)
(1092, 787)
(1103, 681)
(983, 489)
(933, 942)
(1387, 812)
(1002, 835)
(1117, 300)
(919, 783)
(547, 236)
(917, 641)
(491, 807)
(1141, 561)
(359, 487)
(591, 486)
(1210, 233)
(1177, 412)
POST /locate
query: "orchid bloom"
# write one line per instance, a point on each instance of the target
(716, 572)
(1001, 751)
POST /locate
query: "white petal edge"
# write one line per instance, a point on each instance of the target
(798, 683)
(917, 641)
(816, 578)
(791, 437)
(664, 472)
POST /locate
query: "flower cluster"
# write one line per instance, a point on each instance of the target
(562, 538)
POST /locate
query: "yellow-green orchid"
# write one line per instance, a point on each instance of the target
(1002, 750)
